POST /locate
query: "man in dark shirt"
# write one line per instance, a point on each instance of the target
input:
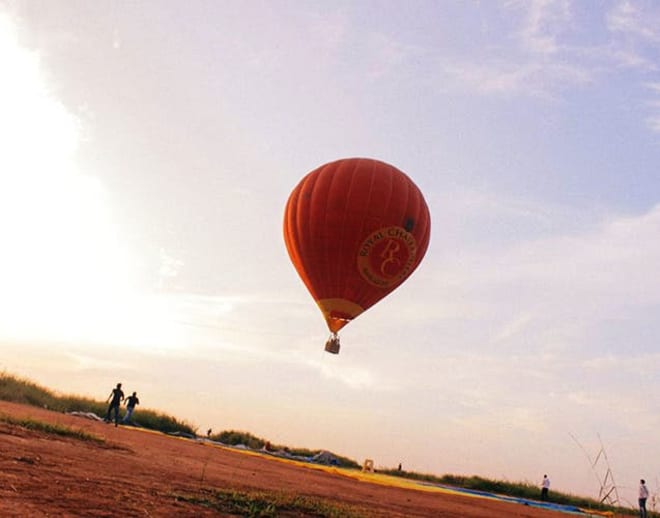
(131, 401)
(115, 398)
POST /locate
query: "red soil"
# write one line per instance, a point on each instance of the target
(135, 473)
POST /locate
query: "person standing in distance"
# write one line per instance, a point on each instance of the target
(545, 487)
(643, 495)
(115, 398)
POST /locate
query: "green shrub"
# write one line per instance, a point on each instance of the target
(235, 438)
(23, 391)
(260, 504)
(164, 423)
(53, 429)
(524, 490)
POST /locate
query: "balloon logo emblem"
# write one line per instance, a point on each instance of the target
(387, 256)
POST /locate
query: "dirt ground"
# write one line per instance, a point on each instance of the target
(137, 473)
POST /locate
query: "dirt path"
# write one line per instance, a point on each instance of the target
(136, 473)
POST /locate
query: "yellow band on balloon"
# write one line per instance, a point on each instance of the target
(338, 312)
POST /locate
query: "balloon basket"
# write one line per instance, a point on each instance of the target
(332, 345)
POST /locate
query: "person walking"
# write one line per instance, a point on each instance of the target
(643, 495)
(545, 487)
(115, 398)
(131, 402)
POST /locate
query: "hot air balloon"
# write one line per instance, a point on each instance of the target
(355, 229)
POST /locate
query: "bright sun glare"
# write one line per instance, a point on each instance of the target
(64, 269)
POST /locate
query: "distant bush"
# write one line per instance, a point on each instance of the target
(235, 438)
(23, 391)
(164, 423)
(524, 490)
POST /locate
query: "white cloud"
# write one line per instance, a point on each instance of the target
(545, 299)
(352, 376)
(387, 55)
(558, 49)
(63, 258)
(644, 365)
(544, 20)
(628, 18)
(329, 31)
(582, 399)
(615, 262)
(498, 420)
(540, 64)
(32, 119)
(653, 120)
(653, 123)
(83, 362)
(531, 78)
(631, 406)
(513, 327)
(630, 58)
(654, 87)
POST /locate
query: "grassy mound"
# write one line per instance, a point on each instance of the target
(18, 390)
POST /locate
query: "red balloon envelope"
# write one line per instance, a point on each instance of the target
(355, 229)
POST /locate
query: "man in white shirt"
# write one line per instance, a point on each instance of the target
(643, 495)
(545, 487)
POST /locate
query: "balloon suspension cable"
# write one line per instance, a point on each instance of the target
(332, 344)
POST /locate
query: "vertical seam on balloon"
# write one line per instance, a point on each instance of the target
(293, 230)
(426, 231)
(363, 289)
(427, 228)
(388, 206)
(421, 209)
(404, 199)
(414, 201)
(340, 252)
(327, 253)
(312, 181)
(357, 296)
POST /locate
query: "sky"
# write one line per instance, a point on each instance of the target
(147, 151)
